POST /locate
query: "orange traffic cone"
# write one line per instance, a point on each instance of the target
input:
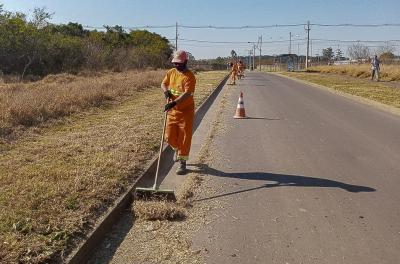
(240, 112)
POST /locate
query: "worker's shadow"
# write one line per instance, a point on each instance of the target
(277, 180)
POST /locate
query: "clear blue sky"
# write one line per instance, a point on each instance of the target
(233, 13)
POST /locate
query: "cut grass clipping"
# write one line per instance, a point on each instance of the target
(161, 210)
(158, 210)
(57, 179)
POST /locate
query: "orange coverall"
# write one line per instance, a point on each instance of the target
(240, 68)
(234, 71)
(178, 132)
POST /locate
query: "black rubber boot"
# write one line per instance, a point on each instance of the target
(182, 168)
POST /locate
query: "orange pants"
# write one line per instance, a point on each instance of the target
(233, 77)
(178, 132)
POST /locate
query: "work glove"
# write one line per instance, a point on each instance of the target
(168, 94)
(169, 106)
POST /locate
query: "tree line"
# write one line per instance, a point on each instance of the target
(34, 46)
(360, 51)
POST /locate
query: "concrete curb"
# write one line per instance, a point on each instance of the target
(381, 106)
(104, 225)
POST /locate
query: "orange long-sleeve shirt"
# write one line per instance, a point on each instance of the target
(179, 83)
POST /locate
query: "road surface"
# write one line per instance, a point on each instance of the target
(309, 177)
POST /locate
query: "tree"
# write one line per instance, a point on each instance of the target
(38, 47)
(233, 54)
(191, 57)
(70, 29)
(152, 49)
(327, 54)
(339, 54)
(41, 17)
(385, 49)
(387, 57)
(358, 51)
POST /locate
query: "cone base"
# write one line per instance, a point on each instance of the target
(240, 117)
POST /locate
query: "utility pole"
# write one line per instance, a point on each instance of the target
(308, 42)
(259, 58)
(290, 43)
(254, 56)
(249, 58)
(176, 36)
(250, 62)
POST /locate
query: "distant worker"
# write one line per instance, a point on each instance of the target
(240, 69)
(234, 72)
(375, 67)
(178, 87)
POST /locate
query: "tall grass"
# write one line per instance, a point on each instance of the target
(387, 73)
(30, 104)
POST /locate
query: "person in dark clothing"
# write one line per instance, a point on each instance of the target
(375, 68)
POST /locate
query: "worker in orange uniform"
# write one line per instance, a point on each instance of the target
(240, 69)
(234, 72)
(178, 87)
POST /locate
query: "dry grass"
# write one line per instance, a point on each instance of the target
(383, 92)
(388, 72)
(163, 241)
(30, 104)
(158, 210)
(56, 182)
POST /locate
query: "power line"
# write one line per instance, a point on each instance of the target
(250, 26)
(132, 27)
(213, 46)
(357, 25)
(241, 27)
(355, 41)
(288, 40)
(232, 42)
(215, 42)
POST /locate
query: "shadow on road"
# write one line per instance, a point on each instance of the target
(278, 180)
(109, 246)
(261, 118)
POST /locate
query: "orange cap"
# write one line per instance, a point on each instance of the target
(180, 56)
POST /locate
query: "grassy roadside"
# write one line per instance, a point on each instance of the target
(56, 182)
(163, 231)
(383, 92)
(26, 105)
(387, 73)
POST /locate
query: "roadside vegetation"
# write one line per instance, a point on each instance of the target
(24, 105)
(59, 177)
(386, 92)
(31, 47)
(387, 73)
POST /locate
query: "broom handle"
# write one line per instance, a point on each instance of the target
(161, 149)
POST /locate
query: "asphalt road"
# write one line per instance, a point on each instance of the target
(310, 177)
